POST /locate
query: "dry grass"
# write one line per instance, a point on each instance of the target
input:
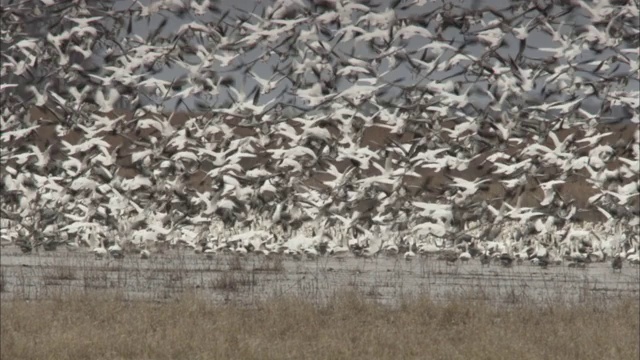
(58, 273)
(272, 263)
(234, 263)
(347, 327)
(192, 308)
(3, 281)
(94, 279)
(229, 281)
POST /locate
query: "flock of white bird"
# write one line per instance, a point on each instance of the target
(296, 175)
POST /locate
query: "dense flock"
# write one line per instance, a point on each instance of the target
(443, 129)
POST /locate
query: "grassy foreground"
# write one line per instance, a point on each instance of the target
(348, 327)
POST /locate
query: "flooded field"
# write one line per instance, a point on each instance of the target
(245, 280)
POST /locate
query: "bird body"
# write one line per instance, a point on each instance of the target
(100, 252)
(116, 251)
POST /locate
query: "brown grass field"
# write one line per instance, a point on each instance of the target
(347, 327)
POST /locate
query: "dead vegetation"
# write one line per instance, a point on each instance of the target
(196, 308)
(234, 263)
(273, 264)
(94, 279)
(59, 273)
(231, 281)
(348, 326)
(3, 280)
